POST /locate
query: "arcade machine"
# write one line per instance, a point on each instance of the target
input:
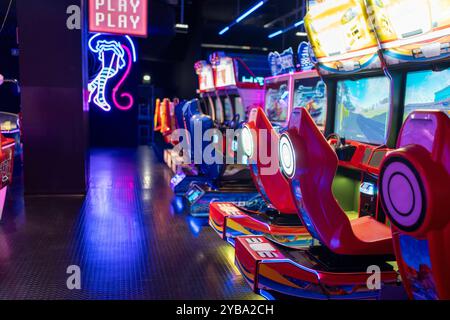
(166, 123)
(333, 181)
(228, 105)
(277, 217)
(415, 178)
(215, 179)
(6, 164)
(206, 94)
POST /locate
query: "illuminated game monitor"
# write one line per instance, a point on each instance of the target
(278, 99)
(239, 107)
(427, 90)
(285, 92)
(362, 109)
(228, 108)
(219, 110)
(310, 92)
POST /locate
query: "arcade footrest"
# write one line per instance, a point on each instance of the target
(199, 197)
(230, 221)
(182, 182)
(302, 274)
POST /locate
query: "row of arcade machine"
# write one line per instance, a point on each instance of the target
(203, 125)
(166, 123)
(358, 203)
(10, 142)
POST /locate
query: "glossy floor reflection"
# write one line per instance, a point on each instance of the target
(125, 236)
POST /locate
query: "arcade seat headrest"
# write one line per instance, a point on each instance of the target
(414, 179)
(190, 109)
(209, 157)
(261, 142)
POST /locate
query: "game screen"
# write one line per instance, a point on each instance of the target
(219, 110)
(362, 108)
(427, 90)
(311, 94)
(211, 110)
(228, 108)
(277, 101)
(239, 108)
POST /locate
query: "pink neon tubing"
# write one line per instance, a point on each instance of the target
(116, 88)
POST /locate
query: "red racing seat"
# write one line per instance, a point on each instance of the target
(316, 164)
(271, 183)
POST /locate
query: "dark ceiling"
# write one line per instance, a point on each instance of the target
(207, 17)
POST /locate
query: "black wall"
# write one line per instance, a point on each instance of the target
(52, 73)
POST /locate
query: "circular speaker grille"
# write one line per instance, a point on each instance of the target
(403, 195)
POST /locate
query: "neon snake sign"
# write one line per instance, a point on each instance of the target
(116, 58)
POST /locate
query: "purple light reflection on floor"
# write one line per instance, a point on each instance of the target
(123, 236)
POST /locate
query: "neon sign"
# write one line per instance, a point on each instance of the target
(114, 56)
(258, 80)
(124, 17)
(282, 63)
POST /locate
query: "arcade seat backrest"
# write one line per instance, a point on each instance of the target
(190, 109)
(415, 193)
(316, 166)
(420, 167)
(208, 157)
(157, 119)
(197, 124)
(166, 123)
(266, 174)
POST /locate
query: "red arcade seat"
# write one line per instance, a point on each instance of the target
(277, 218)
(415, 192)
(269, 179)
(311, 181)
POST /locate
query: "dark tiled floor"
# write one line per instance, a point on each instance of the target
(124, 235)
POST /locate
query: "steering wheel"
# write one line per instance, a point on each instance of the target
(337, 144)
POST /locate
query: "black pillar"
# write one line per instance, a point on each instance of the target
(55, 116)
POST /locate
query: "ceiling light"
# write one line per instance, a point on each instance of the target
(243, 16)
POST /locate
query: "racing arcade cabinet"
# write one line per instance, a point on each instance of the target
(333, 181)
(276, 218)
(215, 179)
(415, 178)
